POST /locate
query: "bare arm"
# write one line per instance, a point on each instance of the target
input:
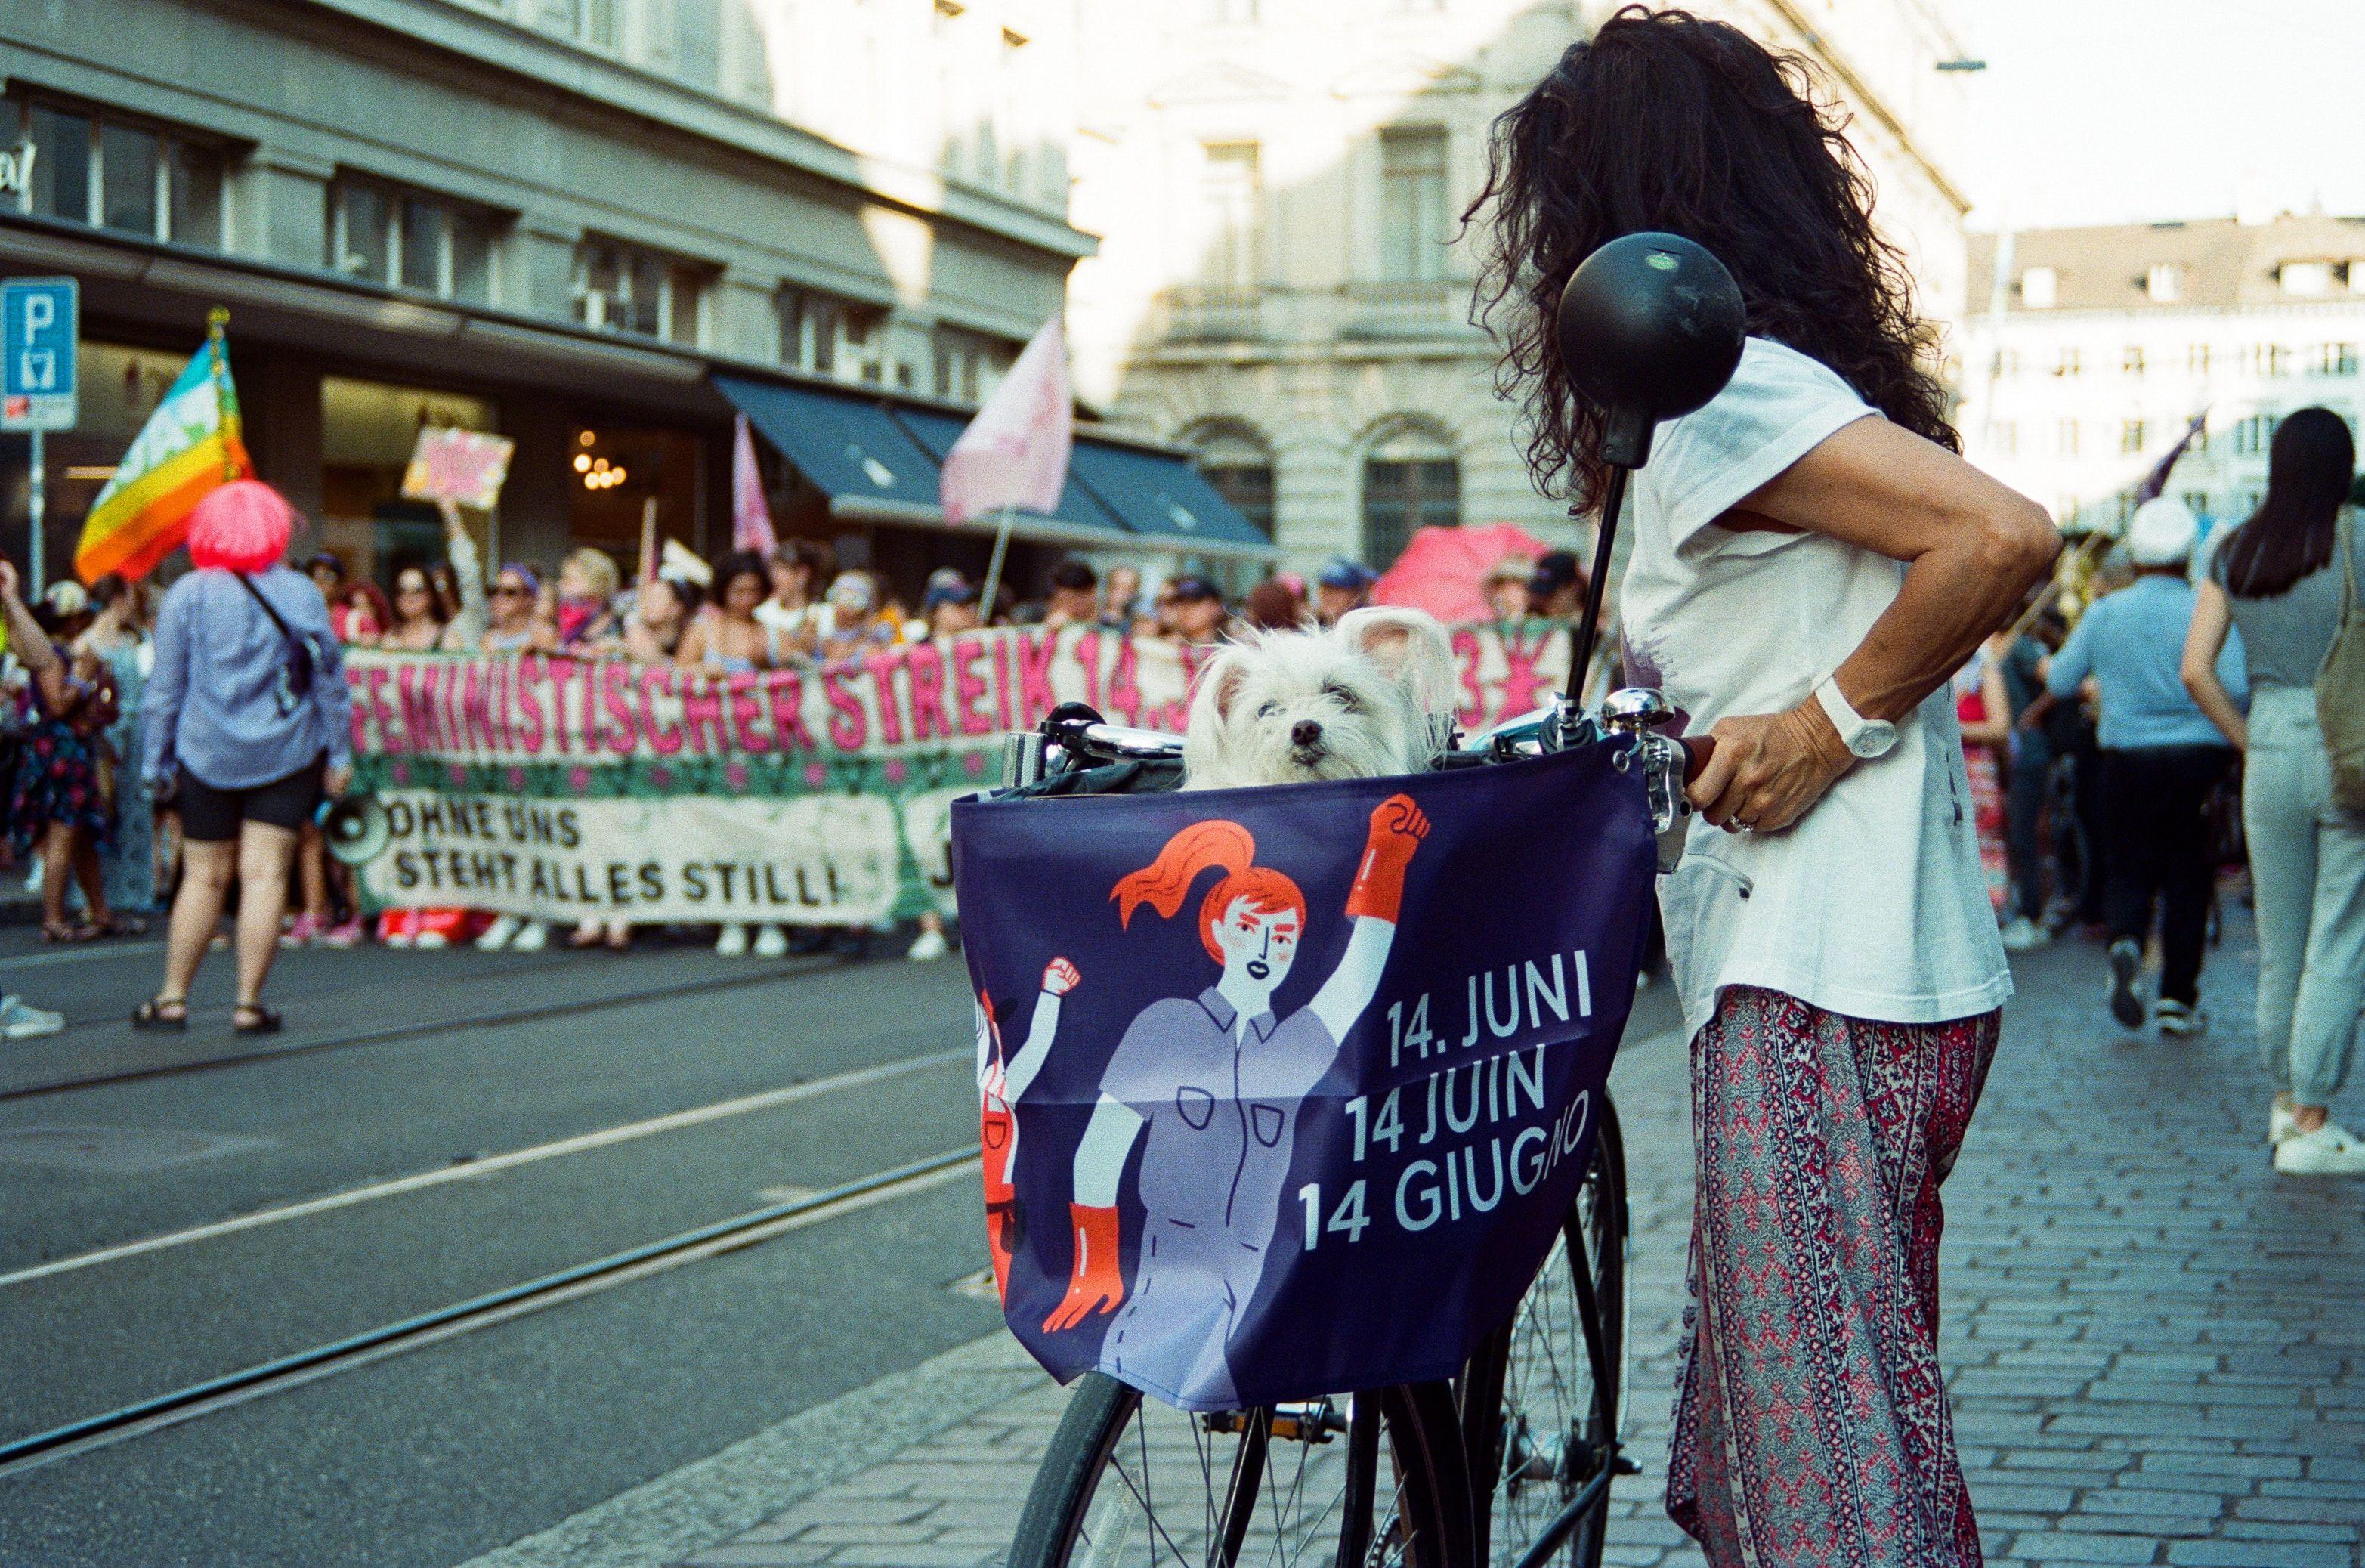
(1059, 979)
(2213, 613)
(1356, 980)
(1972, 547)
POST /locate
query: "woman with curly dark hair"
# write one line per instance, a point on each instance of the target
(1811, 562)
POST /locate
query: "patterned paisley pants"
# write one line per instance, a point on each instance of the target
(1811, 1428)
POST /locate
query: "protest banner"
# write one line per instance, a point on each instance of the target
(1286, 1091)
(707, 764)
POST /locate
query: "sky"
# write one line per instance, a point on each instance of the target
(2117, 111)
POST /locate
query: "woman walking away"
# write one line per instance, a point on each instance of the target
(245, 723)
(1811, 561)
(2283, 578)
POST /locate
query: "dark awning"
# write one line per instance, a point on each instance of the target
(1165, 501)
(846, 445)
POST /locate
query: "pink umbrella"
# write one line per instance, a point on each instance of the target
(1443, 570)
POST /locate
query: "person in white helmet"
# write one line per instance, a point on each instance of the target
(2161, 757)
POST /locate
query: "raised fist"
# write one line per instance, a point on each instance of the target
(1399, 824)
(1061, 977)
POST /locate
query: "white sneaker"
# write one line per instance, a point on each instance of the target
(733, 942)
(431, 940)
(771, 942)
(532, 936)
(497, 935)
(21, 1021)
(2282, 1124)
(2330, 1150)
(2024, 935)
(2176, 1018)
(931, 946)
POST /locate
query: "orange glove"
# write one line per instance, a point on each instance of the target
(1097, 1286)
(1397, 828)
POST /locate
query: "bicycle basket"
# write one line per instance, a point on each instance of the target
(1286, 1089)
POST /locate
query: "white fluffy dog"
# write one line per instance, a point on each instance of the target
(1355, 701)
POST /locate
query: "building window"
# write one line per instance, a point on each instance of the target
(2039, 286)
(2068, 438)
(1411, 481)
(384, 235)
(2197, 503)
(2268, 359)
(2070, 363)
(2196, 359)
(1412, 205)
(2006, 364)
(968, 365)
(2253, 435)
(2131, 359)
(1237, 465)
(621, 289)
(1230, 195)
(2165, 282)
(2131, 436)
(2337, 359)
(2305, 279)
(114, 174)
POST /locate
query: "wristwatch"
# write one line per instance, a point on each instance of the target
(1864, 738)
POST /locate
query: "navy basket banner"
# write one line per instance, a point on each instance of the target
(1284, 1092)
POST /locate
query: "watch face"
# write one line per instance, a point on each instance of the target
(1874, 739)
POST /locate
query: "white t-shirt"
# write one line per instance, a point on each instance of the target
(1872, 904)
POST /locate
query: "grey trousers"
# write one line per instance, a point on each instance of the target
(2307, 863)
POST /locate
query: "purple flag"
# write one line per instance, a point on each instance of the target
(1014, 453)
(751, 520)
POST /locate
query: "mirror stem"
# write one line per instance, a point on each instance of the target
(1613, 500)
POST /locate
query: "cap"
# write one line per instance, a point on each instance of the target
(958, 592)
(2161, 534)
(1338, 571)
(1192, 588)
(1554, 571)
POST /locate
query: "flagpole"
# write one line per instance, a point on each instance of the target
(993, 567)
(648, 539)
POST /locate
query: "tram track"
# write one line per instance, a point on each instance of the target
(411, 1030)
(713, 1239)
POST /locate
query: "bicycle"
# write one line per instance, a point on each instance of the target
(1510, 1463)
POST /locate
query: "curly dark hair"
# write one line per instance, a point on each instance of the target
(1664, 121)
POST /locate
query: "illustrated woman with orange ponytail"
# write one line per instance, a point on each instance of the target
(1215, 1080)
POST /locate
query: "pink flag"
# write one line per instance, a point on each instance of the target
(1014, 453)
(751, 520)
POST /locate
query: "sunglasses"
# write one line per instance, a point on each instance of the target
(509, 590)
(401, 590)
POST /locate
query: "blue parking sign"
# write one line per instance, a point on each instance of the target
(40, 330)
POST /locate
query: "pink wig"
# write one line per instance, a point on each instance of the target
(241, 527)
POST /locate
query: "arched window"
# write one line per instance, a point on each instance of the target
(1411, 480)
(1239, 465)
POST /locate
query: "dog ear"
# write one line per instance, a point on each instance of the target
(1410, 644)
(1219, 683)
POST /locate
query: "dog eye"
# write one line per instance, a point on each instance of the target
(1344, 698)
(1268, 709)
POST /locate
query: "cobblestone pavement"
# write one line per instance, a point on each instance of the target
(2157, 1345)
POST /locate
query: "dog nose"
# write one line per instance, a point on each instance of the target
(1306, 732)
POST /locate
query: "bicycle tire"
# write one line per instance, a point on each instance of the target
(1073, 1515)
(1523, 1479)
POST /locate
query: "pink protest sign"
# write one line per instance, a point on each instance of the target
(466, 466)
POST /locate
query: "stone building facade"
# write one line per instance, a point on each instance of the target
(1281, 284)
(2092, 350)
(556, 218)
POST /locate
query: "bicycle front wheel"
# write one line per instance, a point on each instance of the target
(1367, 1481)
(1539, 1402)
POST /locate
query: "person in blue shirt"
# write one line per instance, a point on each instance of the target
(244, 725)
(2161, 757)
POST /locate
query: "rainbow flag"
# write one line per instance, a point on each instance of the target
(190, 445)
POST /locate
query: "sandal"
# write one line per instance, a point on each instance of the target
(152, 1014)
(69, 931)
(254, 1018)
(124, 925)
